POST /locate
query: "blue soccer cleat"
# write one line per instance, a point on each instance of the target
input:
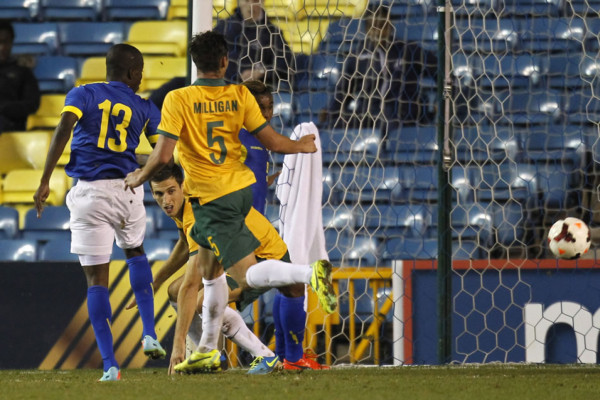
(264, 365)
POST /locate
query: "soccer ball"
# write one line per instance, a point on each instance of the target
(569, 238)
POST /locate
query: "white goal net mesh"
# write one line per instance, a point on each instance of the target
(524, 112)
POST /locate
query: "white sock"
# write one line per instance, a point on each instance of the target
(216, 294)
(236, 330)
(275, 273)
(195, 331)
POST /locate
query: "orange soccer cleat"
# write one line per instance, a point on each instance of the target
(308, 361)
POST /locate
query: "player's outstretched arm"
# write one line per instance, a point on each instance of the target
(60, 138)
(160, 156)
(282, 144)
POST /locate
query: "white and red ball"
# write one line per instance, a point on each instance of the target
(569, 238)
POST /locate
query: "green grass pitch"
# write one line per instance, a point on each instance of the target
(503, 381)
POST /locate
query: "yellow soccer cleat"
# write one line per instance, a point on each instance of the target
(320, 281)
(200, 363)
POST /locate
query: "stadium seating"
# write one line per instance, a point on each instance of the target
(487, 35)
(36, 38)
(157, 249)
(350, 144)
(321, 73)
(410, 145)
(532, 8)
(582, 108)
(543, 35)
(339, 217)
(284, 112)
(54, 224)
(365, 185)
(159, 70)
(23, 150)
(9, 223)
(554, 144)
(165, 226)
(178, 9)
(509, 224)
(19, 10)
(419, 183)
(401, 248)
(565, 70)
(56, 74)
(93, 70)
(583, 7)
(422, 31)
(342, 35)
(19, 185)
(384, 221)
(135, 10)
(18, 250)
(482, 143)
(303, 36)
(164, 38)
(88, 10)
(56, 250)
(521, 71)
(86, 39)
(48, 115)
(351, 250)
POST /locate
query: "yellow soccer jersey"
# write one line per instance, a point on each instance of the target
(206, 119)
(271, 245)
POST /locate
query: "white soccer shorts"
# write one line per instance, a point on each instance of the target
(102, 211)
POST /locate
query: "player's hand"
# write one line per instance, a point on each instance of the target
(307, 144)
(272, 178)
(177, 357)
(133, 180)
(40, 196)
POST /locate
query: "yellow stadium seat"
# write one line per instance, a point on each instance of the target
(224, 8)
(66, 155)
(303, 36)
(159, 37)
(144, 147)
(23, 150)
(48, 115)
(178, 9)
(19, 186)
(158, 70)
(302, 9)
(92, 70)
(283, 9)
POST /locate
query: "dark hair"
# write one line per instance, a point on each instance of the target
(207, 49)
(6, 25)
(257, 88)
(120, 58)
(167, 172)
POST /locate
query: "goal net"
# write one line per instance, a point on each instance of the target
(519, 128)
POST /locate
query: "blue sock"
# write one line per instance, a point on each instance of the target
(293, 319)
(279, 338)
(140, 277)
(101, 316)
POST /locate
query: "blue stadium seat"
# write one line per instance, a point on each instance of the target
(322, 73)
(524, 8)
(557, 186)
(501, 182)
(485, 142)
(410, 145)
(54, 224)
(85, 39)
(9, 222)
(419, 183)
(422, 31)
(64, 10)
(401, 248)
(582, 108)
(56, 74)
(487, 35)
(583, 7)
(509, 224)
(309, 104)
(524, 107)
(351, 250)
(356, 145)
(342, 35)
(18, 250)
(478, 9)
(157, 249)
(473, 221)
(284, 113)
(36, 38)
(364, 184)
(466, 250)
(565, 70)
(135, 9)
(546, 34)
(57, 250)
(517, 71)
(152, 213)
(340, 217)
(384, 220)
(166, 228)
(555, 144)
(19, 10)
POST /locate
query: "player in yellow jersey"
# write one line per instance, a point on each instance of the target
(203, 121)
(166, 186)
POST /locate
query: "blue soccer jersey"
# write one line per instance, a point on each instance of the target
(111, 119)
(257, 159)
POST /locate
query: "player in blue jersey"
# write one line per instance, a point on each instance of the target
(107, 120)
(289, 315)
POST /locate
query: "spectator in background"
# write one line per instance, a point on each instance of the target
(257, 50)
(19, 91)
(380, 81)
